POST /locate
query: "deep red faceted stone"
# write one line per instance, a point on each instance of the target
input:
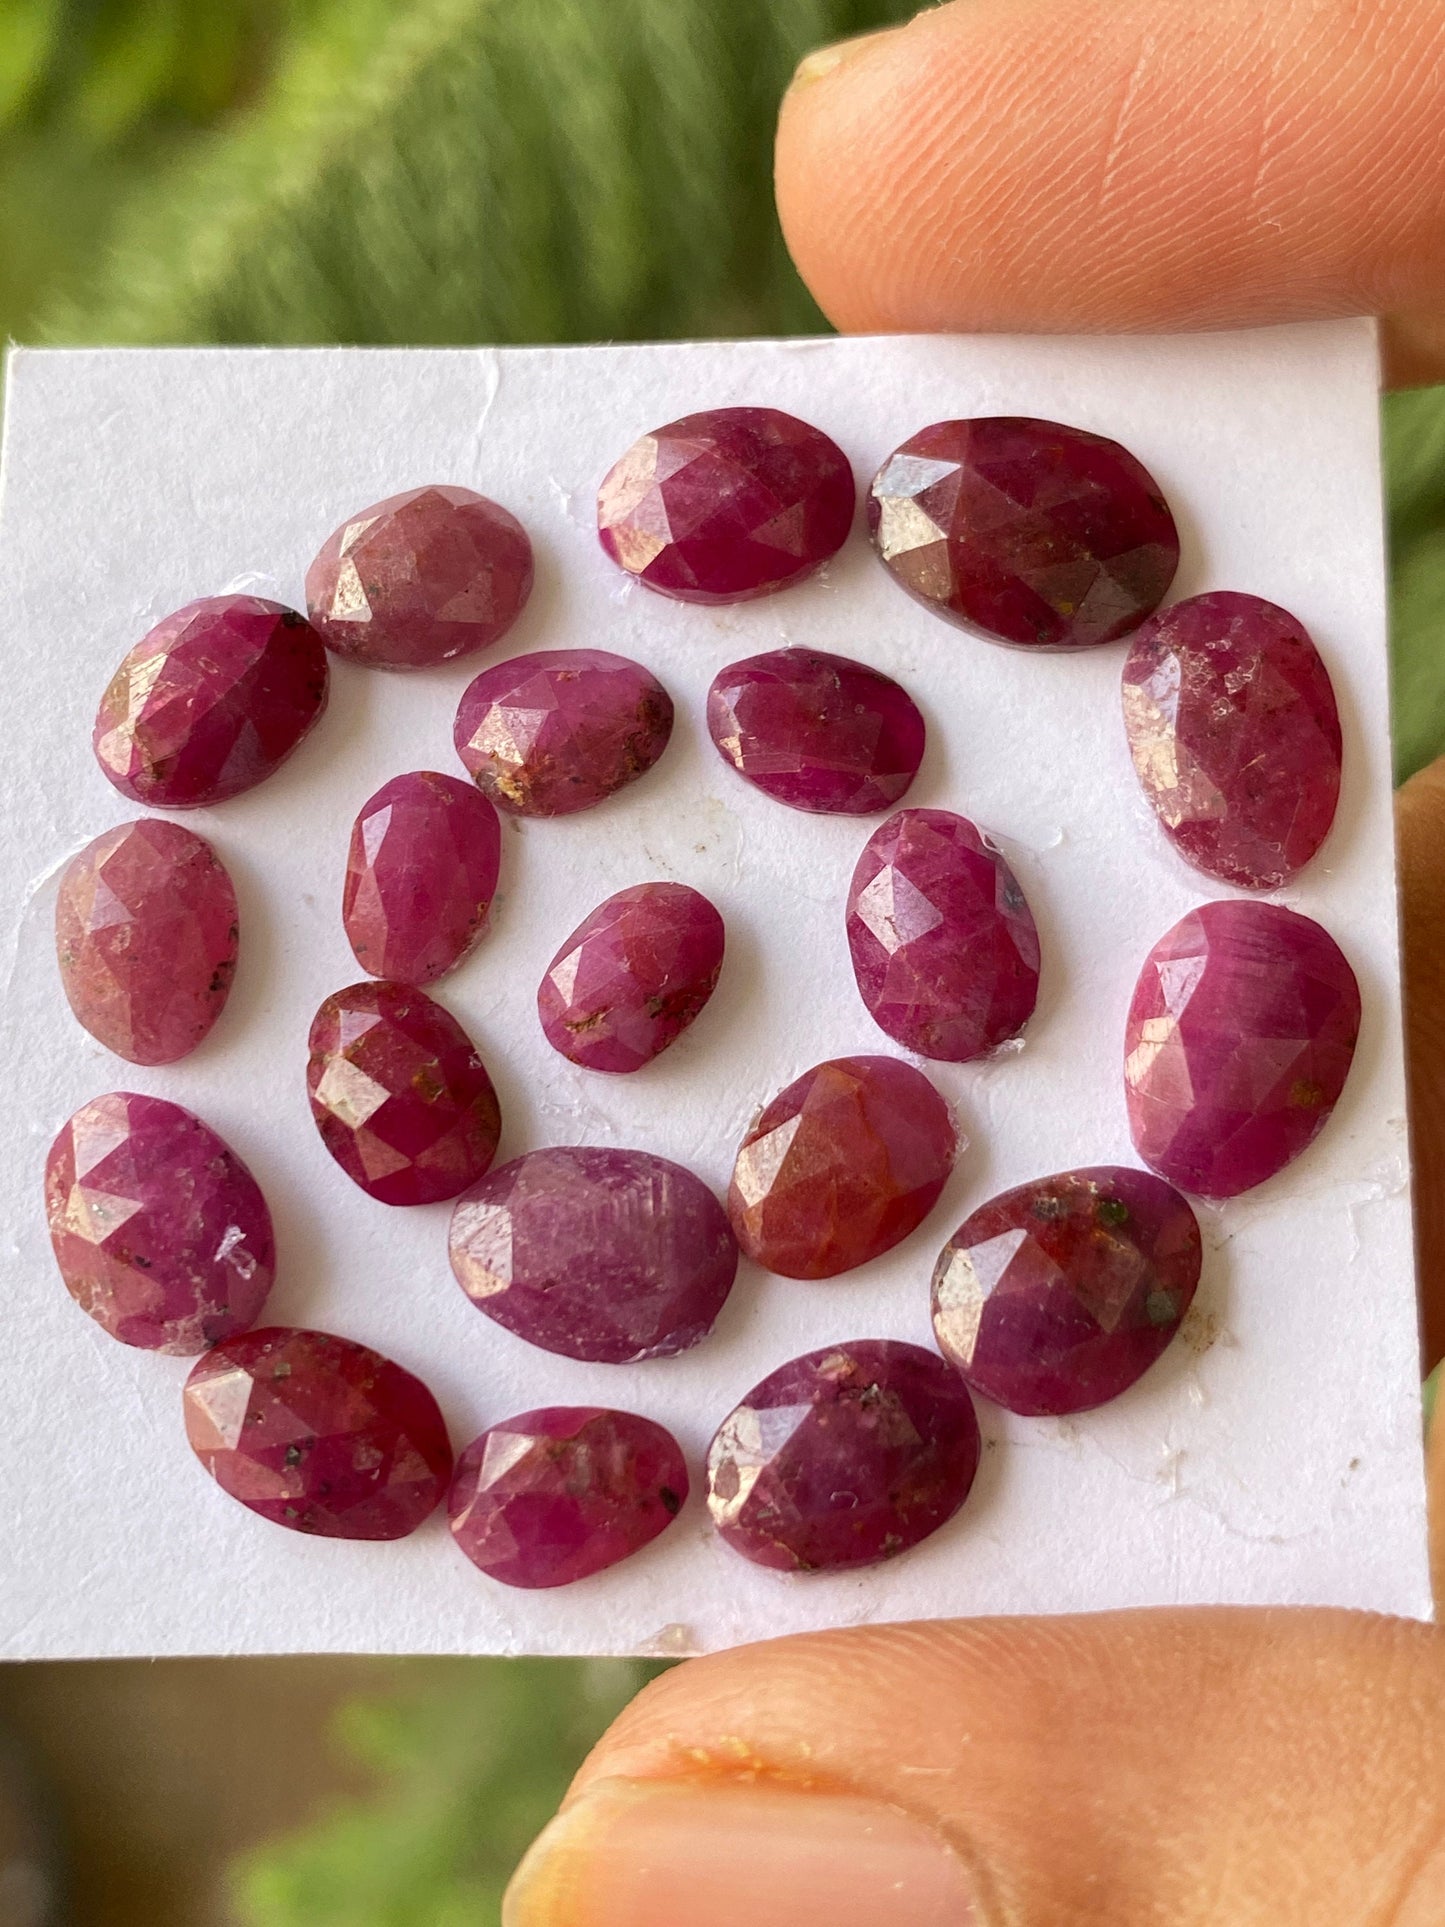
(1040, 535)
(726, 505)
(843, 1457)
(318, 1433)
(599, 1254)
(1056, 1296)
(420, 578)
(1238, 1043)
(553, 1496)
(1235, 735)
(146, 935)
(420, 875)
(840, 1167)
(554, 732)
(400, 1096)
(944, 946)
(213, 700)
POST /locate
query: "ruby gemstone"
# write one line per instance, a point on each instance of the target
(420, 875)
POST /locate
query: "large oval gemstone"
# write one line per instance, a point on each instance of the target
(420, 875)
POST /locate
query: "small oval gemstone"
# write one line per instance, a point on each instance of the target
(1235, 735)
(840, 1167)
(1040, 535)
(726, 505)
(843, 1457)
(146, 935)
(1239, 1039)
(599, 1254)
(400, 1096)
(420, 875)
(553, 1496)
(420, 578)
(161, 1233)
(1056, 1296)
(944, 946)
(554, 732)
(213, 700)
(318, 1433)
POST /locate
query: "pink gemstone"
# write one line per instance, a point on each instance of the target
(318, 1433)
(146, 936)
(420, 875)
(605, 1255)
(843, 1457)
(420, 578)
(840, 1167)
(160, 1231)
(554, 732)
(1059, 1294)
(1040, 535)
(210, 702)
(1233, 728)
(726, 505)
(553, 1496)
(399, 1094)
(1238, 1044)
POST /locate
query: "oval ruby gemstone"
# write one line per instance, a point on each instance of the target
(420, 875)
(843, 1457)
(1238, 1043)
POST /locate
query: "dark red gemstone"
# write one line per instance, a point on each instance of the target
(420, 875)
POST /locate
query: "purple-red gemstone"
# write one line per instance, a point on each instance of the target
(1238, 1043)
(1235, 735)
(420, 875)
(726, 505)
(1040, 535)
(210, 702)
(843, 1457)
(553, 1496)
(1059, 1294)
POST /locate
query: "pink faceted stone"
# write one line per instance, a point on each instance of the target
(213, 700)
(420, 578)
(554, 732)
(1042, 536)
(632, 976)
(400, 1096)
(726, 505)
(944, 946)
(843, 1457)
(1238, 1043)
(420, 875)
(553, 1496)
(145, 935)
(318, 1433)
(605, 1255)
(1235, 735)
(160, 1231)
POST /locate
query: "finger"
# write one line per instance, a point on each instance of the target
(1420, 830)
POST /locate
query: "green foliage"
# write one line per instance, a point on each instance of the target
(1414, 427)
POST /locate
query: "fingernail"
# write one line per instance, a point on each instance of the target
(636, 1853)
(824, 61)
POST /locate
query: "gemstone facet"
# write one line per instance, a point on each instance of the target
(420, 875)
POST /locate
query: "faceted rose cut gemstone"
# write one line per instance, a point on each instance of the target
(944, 946)
(843, 1457)
(726, 505)
(605, 1255)
(1233, 729)
(817, 732)
(553, 1496)
(160, 1231)
(1057, 1295)
(1040, 535)
(146, 935)
(554, 732)
(210, 702)
(1238, 1044)
(318, 1433)
(840, 1167)
(632, 976)
(420, 578)
(399, 1094)
(420, 875)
